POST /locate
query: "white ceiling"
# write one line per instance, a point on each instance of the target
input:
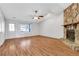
(25, 11)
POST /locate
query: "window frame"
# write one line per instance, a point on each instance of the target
(11, 27)
(25, 25)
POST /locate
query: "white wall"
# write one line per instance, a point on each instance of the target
(34, 30)
(2, 29)
(52, 26)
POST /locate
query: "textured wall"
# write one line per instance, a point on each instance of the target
(71, 14)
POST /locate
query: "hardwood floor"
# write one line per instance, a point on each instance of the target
(36, 46)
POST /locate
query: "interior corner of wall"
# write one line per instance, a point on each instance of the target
(1, 42)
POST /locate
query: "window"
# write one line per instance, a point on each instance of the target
(11, 27)
(2, 27)
(25, 27)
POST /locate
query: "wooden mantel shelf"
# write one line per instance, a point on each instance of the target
(75, 23)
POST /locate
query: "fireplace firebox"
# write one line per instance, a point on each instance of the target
(70, 34)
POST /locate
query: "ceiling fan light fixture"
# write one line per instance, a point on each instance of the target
(35, 18)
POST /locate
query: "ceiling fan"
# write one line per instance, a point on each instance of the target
(37, 17)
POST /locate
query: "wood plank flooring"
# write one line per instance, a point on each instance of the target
(36, 46)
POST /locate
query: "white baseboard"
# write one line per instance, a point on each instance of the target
(19, 36)
(52, 36)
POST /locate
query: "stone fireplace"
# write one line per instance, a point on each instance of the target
(71, 26)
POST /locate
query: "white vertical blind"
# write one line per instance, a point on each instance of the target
(24, 27)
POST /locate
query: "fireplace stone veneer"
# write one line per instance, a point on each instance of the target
(71, 26)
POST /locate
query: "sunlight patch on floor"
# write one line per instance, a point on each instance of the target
(12, 46)
(25, 43)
